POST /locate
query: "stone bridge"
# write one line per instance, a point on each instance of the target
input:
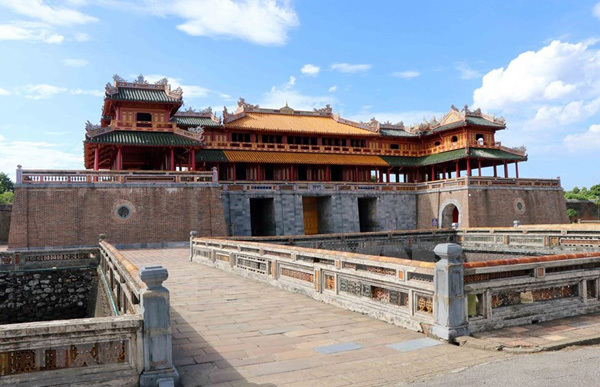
(236, 331)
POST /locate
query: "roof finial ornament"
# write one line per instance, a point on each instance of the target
(141, 80)
(242, 104)
(325, 110)
(117, 78)
(452, 107)
(162, 81)
(466, 109)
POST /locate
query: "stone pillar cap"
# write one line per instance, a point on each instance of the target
(450, 251)
(154, 276)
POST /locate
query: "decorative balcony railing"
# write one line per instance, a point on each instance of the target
(112, 177)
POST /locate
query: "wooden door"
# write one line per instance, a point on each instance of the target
(311, 215)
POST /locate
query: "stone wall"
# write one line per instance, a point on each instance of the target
(338, 213)
(43, 295)
(586, 209)
(74, 215)
(5, 211)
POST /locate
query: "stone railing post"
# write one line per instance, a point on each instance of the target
(158, 356)
(19, 178)
(192, 236)
(215, 175)
(449, 299)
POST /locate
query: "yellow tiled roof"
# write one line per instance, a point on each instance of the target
(296, 123)
(303, 158)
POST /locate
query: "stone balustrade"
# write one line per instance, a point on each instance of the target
(52, 177)
(396, 290)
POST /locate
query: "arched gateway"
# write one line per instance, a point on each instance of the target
(449, 213)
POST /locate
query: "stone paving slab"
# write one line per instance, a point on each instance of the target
(414, 345)
(232, 331)
(546, 335)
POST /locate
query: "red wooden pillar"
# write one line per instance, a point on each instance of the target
(193, 159)
(388, 175)
(479, 166)
(291, 173)
(119, 159)
(505, 170)
(468, 166)
(517, 169)
(356, 174)
(96, 158)
(495, 171)
(172, 160)
(233, 168)
(457, 169)
(432, 177)
(328, 173)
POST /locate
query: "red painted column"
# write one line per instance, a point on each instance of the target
(495, 171)
(328, 173)
(356, 174)
(457, 169)
(388, 175)
(505, 170)
(172, 167)
(96, 159)
(234, 172)
(517, 169)
(468, 166)
(291, 173)
(432, 177)
(119, 159)
(479, 166)
(193, 159)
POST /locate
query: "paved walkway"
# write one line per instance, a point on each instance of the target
(232, 331)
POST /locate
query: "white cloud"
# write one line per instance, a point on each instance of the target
(333, 89)
(466, 72)
(50, 14)
(264, 22)
(557, 70)
(597, 11)
(95, 93)
(81, 37)
(587, 141)
(4, 91)
(278, 96)
(32, 32)
(350, 68)
(311, 70)
(75, 62)
(408, 74)
(41, 91)
(189, 91)
(35, 155)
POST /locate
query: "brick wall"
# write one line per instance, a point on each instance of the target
(76, 215)
(494, 206)
(586, 209)
(5, 211)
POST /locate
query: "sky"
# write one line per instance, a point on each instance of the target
(534, 62)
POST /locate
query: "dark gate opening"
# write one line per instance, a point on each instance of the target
(367, 214)
(262, 217)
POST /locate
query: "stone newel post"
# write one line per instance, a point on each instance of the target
(215, 175)
(158, 357)
(449, 300)
(193, 234)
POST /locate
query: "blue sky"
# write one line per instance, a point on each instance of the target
(537, 63)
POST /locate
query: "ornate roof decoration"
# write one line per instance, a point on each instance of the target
(204, 113)
(243, 106)
(141, 83)
(286, 109)
(89, 126)
(325, 110)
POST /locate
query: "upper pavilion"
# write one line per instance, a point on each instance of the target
(142, 128)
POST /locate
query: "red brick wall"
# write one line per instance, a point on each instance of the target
(63, 216)
(5, 210)
(495, 207)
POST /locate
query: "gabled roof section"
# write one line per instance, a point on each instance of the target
(192, 118)
(141, 90)
(319, 121)
(457, 154)
(138, 138)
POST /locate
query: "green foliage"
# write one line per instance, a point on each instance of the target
(584, 194)
(571, 213)
(7, 197)
(6, 185)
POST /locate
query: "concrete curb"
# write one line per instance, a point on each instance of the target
(474, 342)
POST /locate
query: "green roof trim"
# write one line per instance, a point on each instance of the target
(396, 133)
(457, 154)
(193, 121)
(211, 155)
(483, 122)
(495, 154)
(146, 95)
(143, 139)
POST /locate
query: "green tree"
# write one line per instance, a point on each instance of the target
(6, 185)
(572, 214)
(7, 197)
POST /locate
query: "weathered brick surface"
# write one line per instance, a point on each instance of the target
(71, 216)
(5, 211)
(494, 206)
